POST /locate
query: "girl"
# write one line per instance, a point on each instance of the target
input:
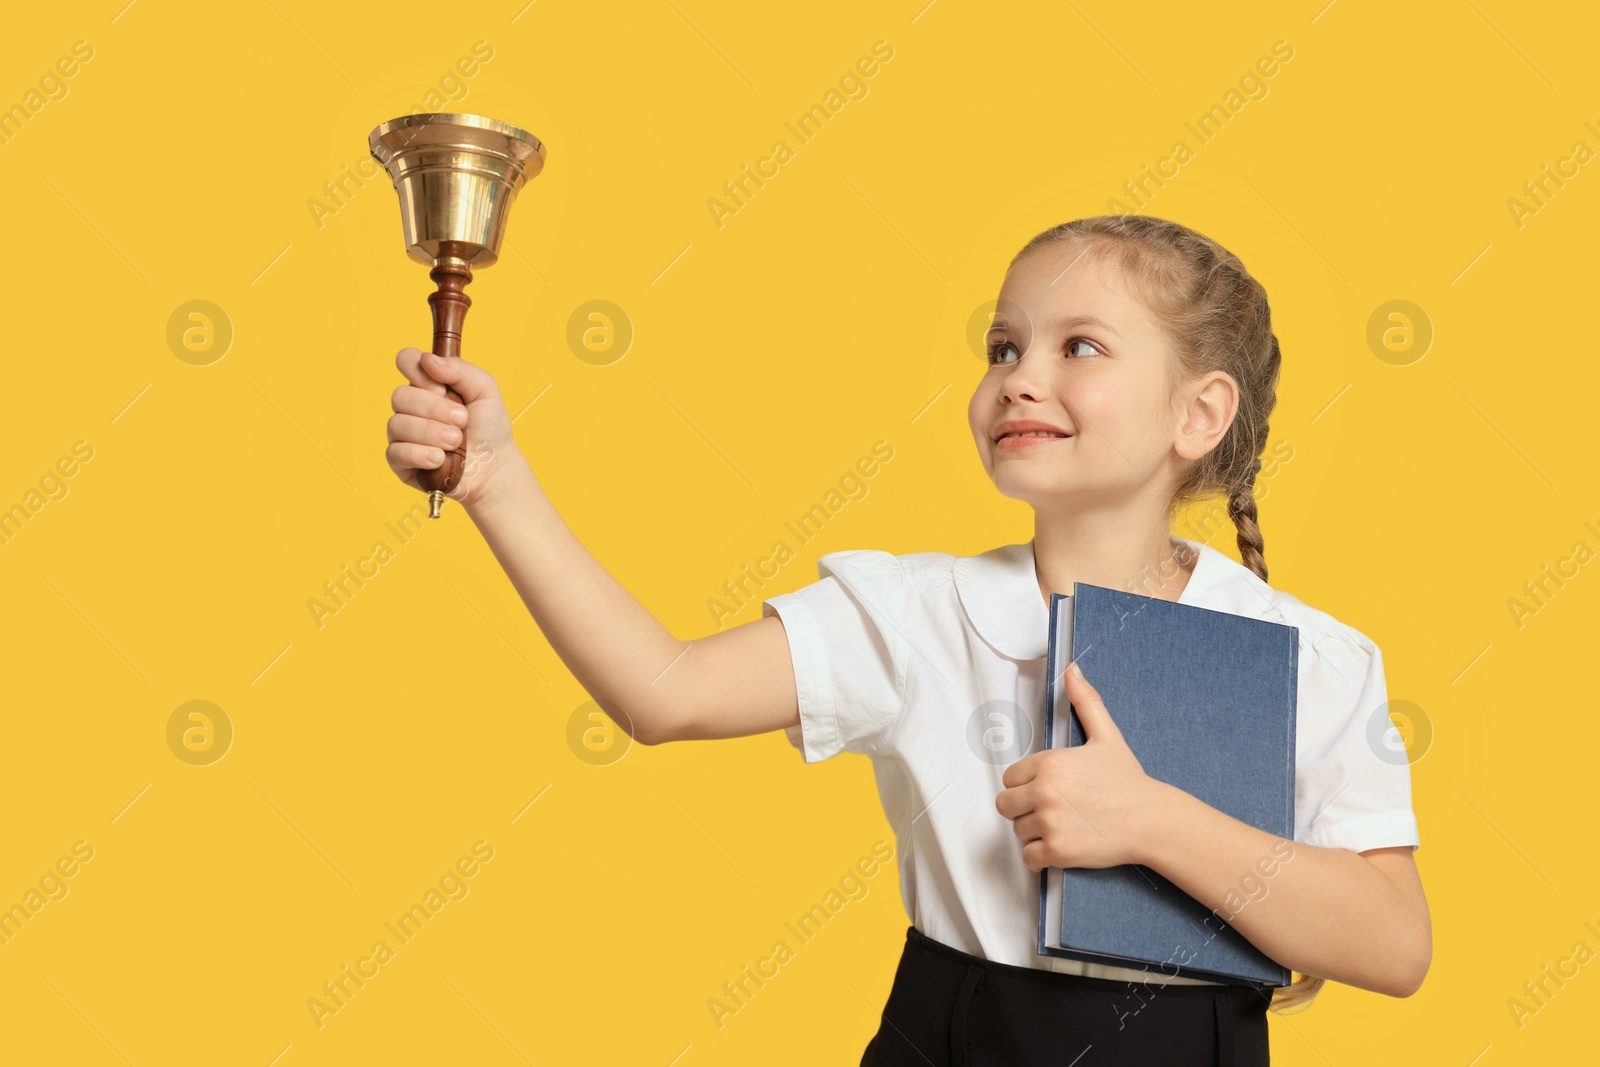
(1131, 369)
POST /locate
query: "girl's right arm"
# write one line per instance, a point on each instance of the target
(657, 688)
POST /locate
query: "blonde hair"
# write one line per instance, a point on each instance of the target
(1218, 318)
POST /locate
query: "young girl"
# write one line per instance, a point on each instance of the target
(1132, 367)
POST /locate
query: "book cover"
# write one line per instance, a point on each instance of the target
(1207, 700)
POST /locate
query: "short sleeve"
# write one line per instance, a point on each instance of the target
(847, 639)
(1352, 774)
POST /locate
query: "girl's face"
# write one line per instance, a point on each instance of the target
(1073, 350)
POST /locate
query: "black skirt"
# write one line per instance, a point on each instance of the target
(950, 1009)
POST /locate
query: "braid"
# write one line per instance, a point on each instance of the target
(1242, 496)
(1242, 510)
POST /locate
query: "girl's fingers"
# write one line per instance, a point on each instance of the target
(427, 424)
(410, 400)
(471, 381)
(403, 456)
(416, 430)
(1028, 828)
(409, 361)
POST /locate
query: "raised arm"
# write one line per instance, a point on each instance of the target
(653, 685)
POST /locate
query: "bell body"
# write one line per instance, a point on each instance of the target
(457, 176)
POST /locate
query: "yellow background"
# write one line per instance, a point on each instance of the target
(769, 354)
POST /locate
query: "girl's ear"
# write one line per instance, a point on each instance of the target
(1207, 412)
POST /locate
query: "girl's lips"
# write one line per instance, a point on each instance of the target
(1017, 444)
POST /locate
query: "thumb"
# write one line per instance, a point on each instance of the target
(1092, 711)
(469, 379)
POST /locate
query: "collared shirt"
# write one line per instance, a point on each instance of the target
(897, 658)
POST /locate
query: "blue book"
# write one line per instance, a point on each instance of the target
(1207, 701)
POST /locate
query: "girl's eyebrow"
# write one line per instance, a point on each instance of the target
(1070, 321)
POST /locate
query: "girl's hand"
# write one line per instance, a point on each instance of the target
(427, 424)
(1091, 805)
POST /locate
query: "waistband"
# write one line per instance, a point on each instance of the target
(922, 941)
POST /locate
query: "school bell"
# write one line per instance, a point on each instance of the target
(457, 177)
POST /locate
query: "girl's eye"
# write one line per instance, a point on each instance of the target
(998, 347)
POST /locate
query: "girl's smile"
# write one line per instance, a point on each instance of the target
(1027, 442)
(1015, 434)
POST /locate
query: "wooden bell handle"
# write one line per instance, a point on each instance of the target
(449, 304)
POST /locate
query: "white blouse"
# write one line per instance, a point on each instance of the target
(894, 655)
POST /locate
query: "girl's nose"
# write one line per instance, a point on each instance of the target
(1025, 381)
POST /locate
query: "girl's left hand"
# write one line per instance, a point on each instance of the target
(1091, 805)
